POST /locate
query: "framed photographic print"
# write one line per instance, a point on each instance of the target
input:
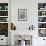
(22, 14)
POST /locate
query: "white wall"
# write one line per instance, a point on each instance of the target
(31, 6)
(32, 14)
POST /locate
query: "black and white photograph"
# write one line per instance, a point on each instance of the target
(22, 14)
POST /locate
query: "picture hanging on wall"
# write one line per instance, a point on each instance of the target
(22, 14)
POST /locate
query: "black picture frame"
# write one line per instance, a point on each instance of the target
(22, 14)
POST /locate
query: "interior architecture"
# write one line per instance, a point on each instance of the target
(22, 22)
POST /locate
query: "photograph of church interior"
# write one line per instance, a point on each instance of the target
(22, 22)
